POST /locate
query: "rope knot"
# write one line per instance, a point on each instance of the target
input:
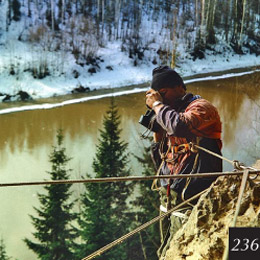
(238, 165)
(193, 147)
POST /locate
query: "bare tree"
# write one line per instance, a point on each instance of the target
(174, 40)
(52, 15)
(242, 24)
(210, 22)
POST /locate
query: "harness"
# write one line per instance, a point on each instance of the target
(179, 153)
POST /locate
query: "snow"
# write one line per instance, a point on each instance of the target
(24, 55)
(124, 73)
(68, 102)
(118, 93)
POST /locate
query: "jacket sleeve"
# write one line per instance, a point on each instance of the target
(172, 122)
(200, 118)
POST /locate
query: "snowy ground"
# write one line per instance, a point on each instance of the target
(116, 70)
(123, 73)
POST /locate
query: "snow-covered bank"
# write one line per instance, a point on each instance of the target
(113, 93)
(116, 70)
(45, 57)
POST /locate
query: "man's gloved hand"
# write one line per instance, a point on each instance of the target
(151, 97)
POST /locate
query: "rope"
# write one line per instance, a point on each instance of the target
(127, 178)
(215, 154)
(236, 164)
(140, 228)
(188, 179)
(154, 186)
(241, 191)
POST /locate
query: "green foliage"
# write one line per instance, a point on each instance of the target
(3, 255)
(105, 214)
(148, 202)
(53, 223)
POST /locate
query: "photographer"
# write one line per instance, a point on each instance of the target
(181, 118)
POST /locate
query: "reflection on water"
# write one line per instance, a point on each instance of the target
(26, 139)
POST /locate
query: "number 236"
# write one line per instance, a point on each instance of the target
(245, 245)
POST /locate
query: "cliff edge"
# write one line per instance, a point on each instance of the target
(205, 234)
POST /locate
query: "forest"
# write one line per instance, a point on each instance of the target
(151, 31)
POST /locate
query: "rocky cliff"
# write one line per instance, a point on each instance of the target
(205, 234)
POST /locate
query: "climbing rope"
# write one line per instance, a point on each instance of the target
(147, 224)
(127, 178)
(239, 168)
(236, 164)
(140, 228)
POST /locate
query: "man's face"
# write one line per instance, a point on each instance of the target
(170, 95)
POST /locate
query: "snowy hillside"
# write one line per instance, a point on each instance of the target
(53, 47)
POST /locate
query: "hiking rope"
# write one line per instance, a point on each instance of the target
(154, 186)
(194, 167)
(189, 179)
(127, 178)
(168, 192)
(140, 228)
(236, 164)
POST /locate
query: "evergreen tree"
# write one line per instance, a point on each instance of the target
(148, 202)
(105, 214)
(53, 224)
(3, 255)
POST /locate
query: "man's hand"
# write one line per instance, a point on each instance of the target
(151, 97)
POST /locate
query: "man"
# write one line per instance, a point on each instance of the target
(183, 119)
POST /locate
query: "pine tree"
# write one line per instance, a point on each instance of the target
(53, 224)
(3, 255)
(105, 215)
(148, 202)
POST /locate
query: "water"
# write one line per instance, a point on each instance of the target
(26, 140)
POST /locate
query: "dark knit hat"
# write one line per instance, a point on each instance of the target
(165, 77)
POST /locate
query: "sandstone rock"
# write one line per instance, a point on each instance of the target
(205, 234)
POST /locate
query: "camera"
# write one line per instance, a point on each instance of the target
(148, 120)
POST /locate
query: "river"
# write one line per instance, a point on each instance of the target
(26, 140)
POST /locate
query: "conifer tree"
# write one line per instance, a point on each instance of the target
(148, 202)
(54, 231)
(105, 215)
(3, 255)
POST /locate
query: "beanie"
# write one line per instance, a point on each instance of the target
(165, 77)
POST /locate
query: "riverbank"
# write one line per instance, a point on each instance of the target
(69, 99)
(116, 71)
